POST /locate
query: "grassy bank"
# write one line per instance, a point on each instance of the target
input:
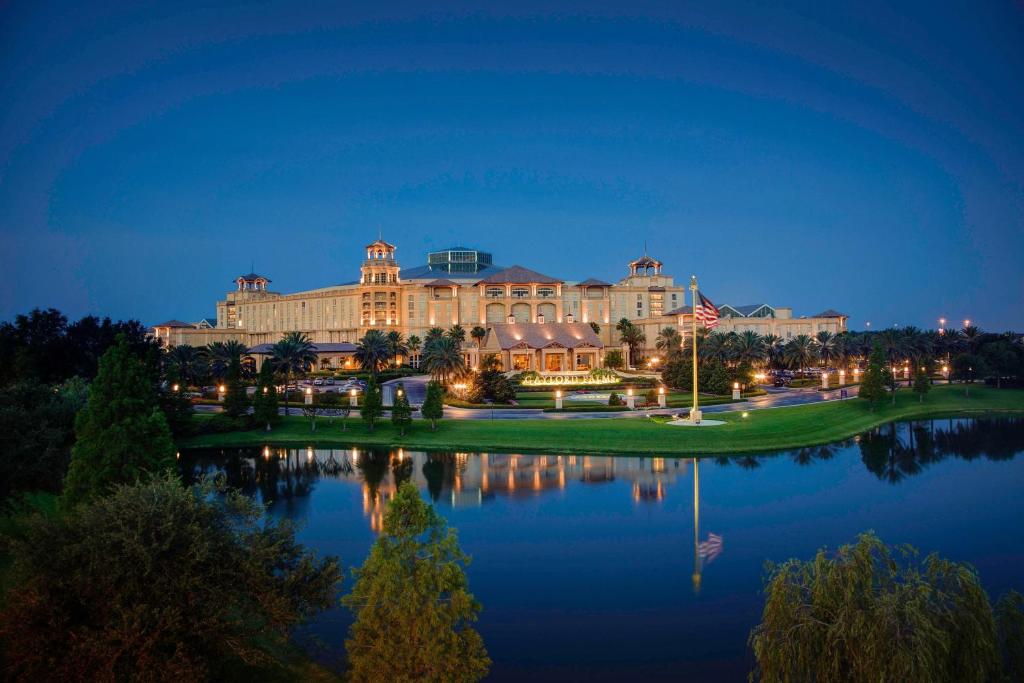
(762, 430)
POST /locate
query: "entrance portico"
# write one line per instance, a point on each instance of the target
(547, 348)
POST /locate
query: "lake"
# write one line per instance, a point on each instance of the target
(650, 568)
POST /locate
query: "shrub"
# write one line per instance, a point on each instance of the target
(149, 582)
(613, 359)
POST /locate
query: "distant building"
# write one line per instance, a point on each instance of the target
(463, 286)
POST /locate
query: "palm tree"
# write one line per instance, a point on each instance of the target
(396, 345)
(715, 346)
(433, 333)
(188, 362)
(894, 345)
(222, 354)
(826, 342)
(669, 341)
(294, 354)
(478, 333)
(443, 359)
(800, 351)
(373, 351)
(413, 344)
(749, 347)
(632, 336)
(972, 337)
(773, 348)
(458, 334)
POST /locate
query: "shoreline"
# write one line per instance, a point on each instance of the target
(767, 429)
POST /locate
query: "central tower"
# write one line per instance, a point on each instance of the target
(379, 286)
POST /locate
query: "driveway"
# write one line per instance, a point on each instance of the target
(416, 387)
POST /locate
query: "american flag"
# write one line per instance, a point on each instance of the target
(706, 312)
(711, 548)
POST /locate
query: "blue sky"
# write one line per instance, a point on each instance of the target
(868, 159)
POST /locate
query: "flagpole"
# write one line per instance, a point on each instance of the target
(696, 528)
(695, 410)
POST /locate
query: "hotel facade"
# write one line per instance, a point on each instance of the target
(533, 321)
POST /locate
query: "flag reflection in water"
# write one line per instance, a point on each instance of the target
(703, 551)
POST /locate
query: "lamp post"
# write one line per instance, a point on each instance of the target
(309, 396)
(942, 325)
(221, 390)
(842, 377)
(735, 391)
(661, 397)
(630, 399)
(824, 379)
(353, 399)
(558, 399)
(945, 372)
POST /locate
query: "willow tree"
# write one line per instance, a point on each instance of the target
(874, 613)
(414, 611)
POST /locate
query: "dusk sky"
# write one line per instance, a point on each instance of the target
(856, 156)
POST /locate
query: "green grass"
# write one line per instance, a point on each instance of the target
(763, 430)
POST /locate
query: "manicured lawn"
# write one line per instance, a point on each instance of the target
(763, 430)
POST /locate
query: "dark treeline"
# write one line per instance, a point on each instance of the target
(43, 346)
(46, 365)
(969, 354)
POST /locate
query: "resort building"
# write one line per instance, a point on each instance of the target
(562, 325)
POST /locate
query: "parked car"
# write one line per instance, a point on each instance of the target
(318, 382)
(329, 381)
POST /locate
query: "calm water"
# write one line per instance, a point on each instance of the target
(615, 568)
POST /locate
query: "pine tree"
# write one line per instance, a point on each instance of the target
(122, 435)
(412, 602)
(872, 385)
(373, 404)
(433, 404)
(236, 403)
(922, 383)
(265, 401)
(401, 411)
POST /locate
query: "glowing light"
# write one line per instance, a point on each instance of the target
(745, 414)
(222, 388)
(661, 390)
(967, 323)
(399, 393)
(352, 393)
(174, 388)
(629, 392)
(266, 451)
(558, 394)
(459, 386)
(264, 390)
(735, 385)
(556, 380)
(308, 391)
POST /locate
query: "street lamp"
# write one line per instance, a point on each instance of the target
(967, 323)
(174, 387)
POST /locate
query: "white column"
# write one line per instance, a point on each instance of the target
(824, 380)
